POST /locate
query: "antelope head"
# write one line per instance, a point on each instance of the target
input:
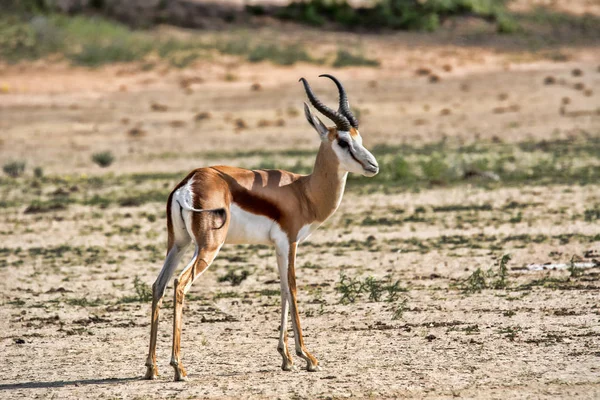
(344, 138)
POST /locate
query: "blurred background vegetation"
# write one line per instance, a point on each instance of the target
(96, 32)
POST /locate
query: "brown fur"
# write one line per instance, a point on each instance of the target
(290, 199)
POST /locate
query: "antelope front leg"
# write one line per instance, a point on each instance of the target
(312, 364)
(282, 347)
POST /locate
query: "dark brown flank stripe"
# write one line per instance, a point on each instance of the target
(249, 201)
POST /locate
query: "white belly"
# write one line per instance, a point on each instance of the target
(248, 228)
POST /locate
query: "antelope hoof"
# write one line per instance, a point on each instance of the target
(151, 372)
(310, 367)
(180, 378)
(180, 374)
(287, 365)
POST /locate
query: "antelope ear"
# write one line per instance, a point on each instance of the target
(316, 123)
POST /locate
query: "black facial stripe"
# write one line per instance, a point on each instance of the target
(346, 145)
(354, 157)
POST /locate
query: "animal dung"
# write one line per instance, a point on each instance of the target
(202, 116)
(188, 81)
(136, 132)
(159, 107)
(423, 71)
(266, 123)
(502, 110)
(240, 124)
(177, 123)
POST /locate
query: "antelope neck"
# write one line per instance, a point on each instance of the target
(325, 186)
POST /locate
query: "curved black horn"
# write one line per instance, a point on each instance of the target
(344, 105)
(340, 120)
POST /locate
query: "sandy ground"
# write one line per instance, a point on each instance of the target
(72, 331)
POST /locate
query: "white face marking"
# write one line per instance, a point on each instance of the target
(347, 160)
(248, 228)
(358, 138)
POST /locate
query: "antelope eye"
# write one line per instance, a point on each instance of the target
(343, 144)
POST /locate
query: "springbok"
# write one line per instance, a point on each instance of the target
(217, 205)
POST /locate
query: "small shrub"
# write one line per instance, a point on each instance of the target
(234, 278)
(143, 292)
(435, 170)
(285, 55)
(424, 15)
(574, 272)
(501, 281)
(353, 288)
(489, 279)
(39, 206)
(14, 169)
(38, 172)
(84, 302)
(476, 282)
(401, 170)
(399, 309)
(269, 292)
(103, 159)
(97, 54)
(183, 60)
(346, 59)
(592, 214)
